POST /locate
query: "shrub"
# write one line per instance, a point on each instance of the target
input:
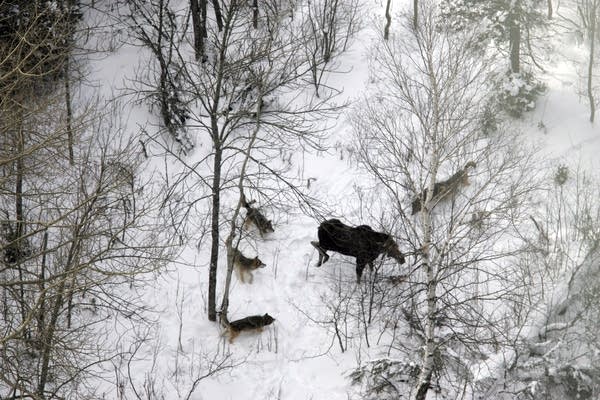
(517, 93)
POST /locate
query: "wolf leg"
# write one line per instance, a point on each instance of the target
(232, 335)
(240, 274)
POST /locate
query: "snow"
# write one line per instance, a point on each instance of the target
(296, 357)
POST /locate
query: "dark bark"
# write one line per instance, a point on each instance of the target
(415, 14)
(48, 337)
(69, 112)
(42, 287)
(214, 250)
(203, 31)
(19, 218)
(198, 10)
(48, 340)
(218, 14)
(424, 388)
(69, 117)
(255, 14)
(515, 43)
(217, 142)
(388, 20)
(550, 9)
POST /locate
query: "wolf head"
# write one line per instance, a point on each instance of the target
(268, 226)
(257, 263)
(267, 319)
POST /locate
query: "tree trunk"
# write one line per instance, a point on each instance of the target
(218, 14)
(255, 14)
(18, 244)
(233, 228)
(427, 363)
(47, 341)
(415, 14)
(217, 141)
(592, 34)
(42, 289)
(69, 111)
(214, 250)
(514, 43)
(198, 10)
(69, 116)
(550, 9)
(388, 20)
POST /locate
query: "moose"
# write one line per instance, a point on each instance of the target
(361, 242)
(445, 188)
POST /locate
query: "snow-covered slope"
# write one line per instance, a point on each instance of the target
(297, 357)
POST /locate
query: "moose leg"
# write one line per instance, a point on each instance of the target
(360, 266)
(323, 257)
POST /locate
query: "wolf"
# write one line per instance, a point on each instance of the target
(251, 323)
(444, 188)
(244, 265)
(254, 216)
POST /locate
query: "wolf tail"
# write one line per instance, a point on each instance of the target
(246, 204)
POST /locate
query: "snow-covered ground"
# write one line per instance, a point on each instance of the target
(297, 357)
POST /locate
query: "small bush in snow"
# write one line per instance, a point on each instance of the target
(517, 93)
(562, 175)
(489, 119)
(380, 379)
(14, 248)
(175, 115)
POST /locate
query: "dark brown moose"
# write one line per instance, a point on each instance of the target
(361, 242)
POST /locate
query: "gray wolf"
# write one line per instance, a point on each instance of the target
(251, 323)
(443, 189)
(254, 216)
(244, 265)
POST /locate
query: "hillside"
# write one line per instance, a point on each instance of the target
(496, 300)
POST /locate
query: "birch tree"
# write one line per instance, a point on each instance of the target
(419, 134)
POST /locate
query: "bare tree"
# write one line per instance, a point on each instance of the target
(240, 86)
(582, 16)
(87, 233)
(553, 311)
(421, 138)
(328, 27)
(157, 27)
(75, 229)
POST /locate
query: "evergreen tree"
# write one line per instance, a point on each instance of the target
(505, 22)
